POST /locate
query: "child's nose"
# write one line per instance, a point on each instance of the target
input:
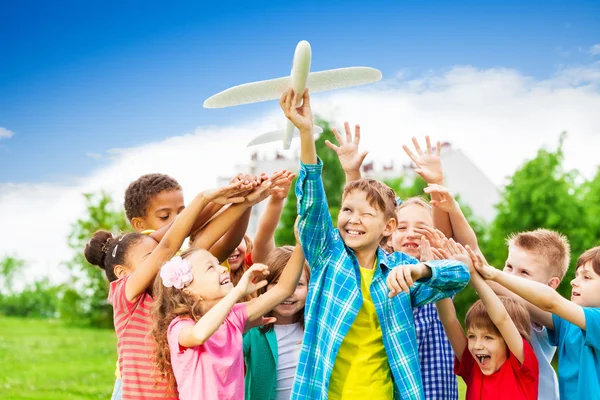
(574, 282)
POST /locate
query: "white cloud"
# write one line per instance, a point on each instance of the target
(499, 117)
(595, 49)
(97, 156)
(5, 133)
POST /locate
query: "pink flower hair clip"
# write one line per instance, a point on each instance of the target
(176, 273)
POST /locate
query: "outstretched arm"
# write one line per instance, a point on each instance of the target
(196, 335)
(264, 240)
(496, 310)
(301, 117)
(347, 151)
(144, 274)
(540, 295)
(444, 202)
(452, 327)
(288, 281)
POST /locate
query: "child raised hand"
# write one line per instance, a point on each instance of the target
(347, 151)
(429, 163)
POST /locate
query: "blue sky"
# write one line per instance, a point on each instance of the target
(85, 77)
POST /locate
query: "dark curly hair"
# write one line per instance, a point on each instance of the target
(107, 251)
(140, 191)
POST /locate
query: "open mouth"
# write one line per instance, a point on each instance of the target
(233, 257)
(288, 303)
(483, 359)
(225, 281)
(354, 232)
(410, 245)
(575, 294)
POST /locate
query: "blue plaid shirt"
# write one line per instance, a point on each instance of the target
(435, 355)
(334, 298)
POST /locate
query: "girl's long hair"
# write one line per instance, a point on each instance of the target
(277, 261)
(169, 303)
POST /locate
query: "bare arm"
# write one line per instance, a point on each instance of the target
(540, 295)
(302, 119)
(452, 327)
(444, 202)
(143, 276)
(538, 316)
(498, 315)
(284, 288)
(212, 320)
(232, 238)
(264, 240)
(217, 227)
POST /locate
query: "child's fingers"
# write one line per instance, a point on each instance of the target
(357, 134)
(408, 278)
(337, 135)
(260, 284)
(331, 145)
(392, 282)
(348, 132)
(306, 98)
(235, 200)
(401, 281)
(417, 147)
(410, 154)
(428, 143)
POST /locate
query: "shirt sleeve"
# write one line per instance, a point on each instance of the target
(592, 327)
(555, 335)
(315, 226)
(464, 366)
(117, 297)
(448, 277)
(529, 370)
(238, 316)
(246, 342)
(173, 332)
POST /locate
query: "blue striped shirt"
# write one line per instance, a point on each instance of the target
(435, 355)
(334, 298)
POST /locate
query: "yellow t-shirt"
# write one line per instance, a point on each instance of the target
(361, 370)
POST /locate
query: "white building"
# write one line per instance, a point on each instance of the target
(462, 177)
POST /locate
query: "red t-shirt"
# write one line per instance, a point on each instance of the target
(135, 346)
(512, 381)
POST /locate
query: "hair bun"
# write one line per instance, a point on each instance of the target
(95, 250)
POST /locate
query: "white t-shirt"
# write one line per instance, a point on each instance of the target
(289, 342)
(544, 351)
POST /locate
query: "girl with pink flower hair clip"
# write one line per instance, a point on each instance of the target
(198, 322)
(131, 262)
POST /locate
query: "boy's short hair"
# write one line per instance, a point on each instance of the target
(140, 192)
(478, 318)
(592, 255)
(379, 195)
(551, 246)
(418, 200)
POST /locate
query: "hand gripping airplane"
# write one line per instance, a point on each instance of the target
(300, 78)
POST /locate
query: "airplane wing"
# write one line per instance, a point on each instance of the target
(273, 88)
(341, 78)
(249, 93)
(277, 135)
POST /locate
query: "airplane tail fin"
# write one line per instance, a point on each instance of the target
(279, 134)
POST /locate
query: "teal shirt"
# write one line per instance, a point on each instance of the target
(260, 355)
(578, 355)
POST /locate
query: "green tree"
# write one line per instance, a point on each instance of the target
(333, 181)
(86, 301)
(9, 268)
(541, 194)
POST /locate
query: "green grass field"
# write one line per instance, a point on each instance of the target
(44, 359)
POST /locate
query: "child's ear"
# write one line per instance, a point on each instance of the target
(138, 224)
(390, 227)
(120, 271)
(554, 282)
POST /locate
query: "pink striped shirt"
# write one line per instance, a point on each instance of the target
(135, 345)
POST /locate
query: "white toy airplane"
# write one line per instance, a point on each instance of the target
(300, 78)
